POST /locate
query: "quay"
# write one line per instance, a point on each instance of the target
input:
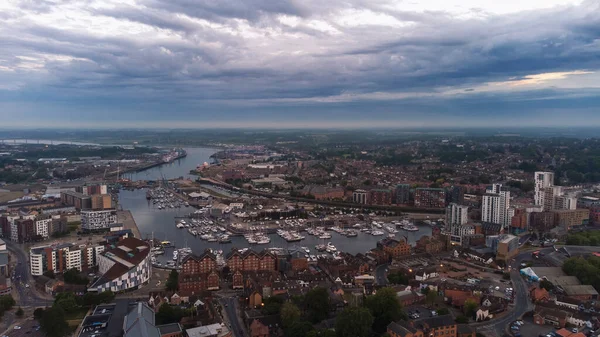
(126, 218)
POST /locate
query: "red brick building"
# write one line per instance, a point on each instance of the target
(380, 197)
(198, 273)
(258, 329)
(430, 198)
(395, 248)
(251, 261)
(430, 245)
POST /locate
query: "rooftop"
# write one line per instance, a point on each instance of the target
(126, 254)
(106, 320)
(213, 330)
(583, 289)
(169, 328)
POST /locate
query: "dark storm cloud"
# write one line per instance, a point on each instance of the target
(220, 53)
(251, 10)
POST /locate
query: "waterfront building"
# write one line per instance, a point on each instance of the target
(124, 267)
(457, 214)
(380, 197)
(430, 198)
(360, 197)
(394, 248)
(101, 201)
(402, 194)
(198, 273)
(92, 189)
(98, 220)
(251, 261)
(78, 200)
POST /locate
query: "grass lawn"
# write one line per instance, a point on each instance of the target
(76, 315)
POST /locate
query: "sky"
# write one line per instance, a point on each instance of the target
(299, 63)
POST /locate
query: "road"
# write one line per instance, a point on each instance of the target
(230, 305)
(522, 303)
(23, 282)
(380, 276)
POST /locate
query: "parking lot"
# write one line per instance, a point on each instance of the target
(418, 311)
(530, 329)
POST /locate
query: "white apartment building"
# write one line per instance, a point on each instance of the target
(14, 231)
(495, 205)
(41, 226)
(457, 214)
(63, 257)
(359, 197)
(542, 180)
(98, 220)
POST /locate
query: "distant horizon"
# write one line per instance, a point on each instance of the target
(286, 126)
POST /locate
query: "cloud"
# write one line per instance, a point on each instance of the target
(206, 58)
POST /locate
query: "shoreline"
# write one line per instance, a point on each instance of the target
(128, 221)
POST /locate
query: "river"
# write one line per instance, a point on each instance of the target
(161, 223)
(178, 168)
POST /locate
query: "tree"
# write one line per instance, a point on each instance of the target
(38, 313)
(49, 273)
(167, 314)
(272, 305)
(68, 302)
(173, 281)
(91, 298)
(316, 303)
(19, 312)
(431, 297)
(384, 307)
(6, 302)
(299, 329)
(354, 322)
(545, 284)
(470, 308)
(290, 313)
(53, 322)
(462, 319)
(72, 276)
(398, 278)
(443, 311)
(321, 333)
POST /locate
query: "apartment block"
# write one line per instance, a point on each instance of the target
(60, 258)
(360, 197)
(78, 200)
(457, 214)
(98, 220)
(430, 198)
(380, 197)
(402, 194)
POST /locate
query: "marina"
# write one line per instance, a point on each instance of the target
(163, 224)
(169, 220)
